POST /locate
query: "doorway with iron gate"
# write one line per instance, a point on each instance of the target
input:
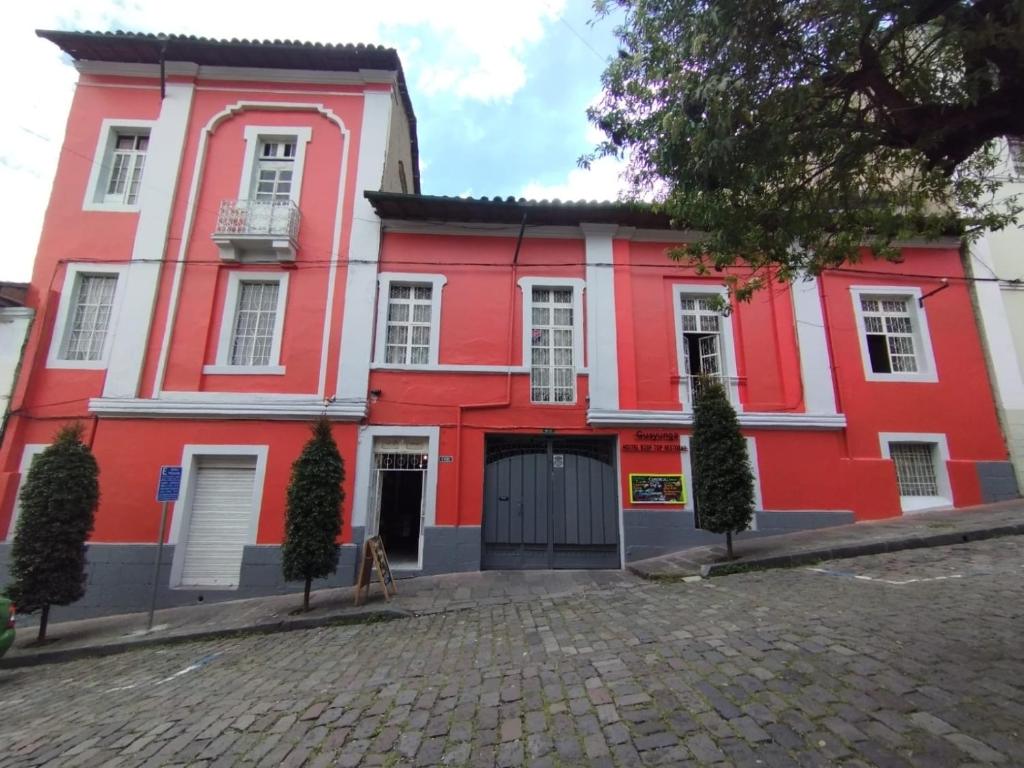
(550, 502)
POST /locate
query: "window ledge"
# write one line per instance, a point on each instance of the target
(112, 207)
(81, 365)
(920, 378)
(924, 503)
(244, 370)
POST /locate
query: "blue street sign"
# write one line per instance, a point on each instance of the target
(169, 485)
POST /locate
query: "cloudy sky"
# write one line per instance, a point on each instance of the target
(499, 89)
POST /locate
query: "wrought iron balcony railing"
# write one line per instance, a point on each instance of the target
(256, 217)
(257, 225)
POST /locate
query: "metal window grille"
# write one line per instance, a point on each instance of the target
(915, 468)
(126, 165)
(889, 321)
(255, 319)
(90, 317)
(702, 327)
(274, 172)
(552, 368)
(410, 309)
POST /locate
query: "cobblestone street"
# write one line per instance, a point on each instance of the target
(912, 658)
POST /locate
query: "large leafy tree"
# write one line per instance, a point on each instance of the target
(58, 504)
(791, 132)
(312, 520)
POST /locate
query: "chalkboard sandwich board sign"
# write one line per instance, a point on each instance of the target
(656, 489)
(374, 555)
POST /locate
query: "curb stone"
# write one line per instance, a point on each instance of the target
(845, 551)
(266, 628)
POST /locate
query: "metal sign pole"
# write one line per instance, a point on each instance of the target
(156, 565)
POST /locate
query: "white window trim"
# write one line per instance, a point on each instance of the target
(254, 134)
(384, 282)
(925, 356)
(364, 471)
(227, 324)
(29, 452)
(100, 170)
(910, 504)
(578, 286)
(728, 343)
(182, 512)
(67, 293)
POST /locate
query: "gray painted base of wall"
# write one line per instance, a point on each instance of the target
(650, 533)
(119, 579)
(997, 480)
(119, 576)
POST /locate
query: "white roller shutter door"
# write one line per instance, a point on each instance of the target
(218, 527)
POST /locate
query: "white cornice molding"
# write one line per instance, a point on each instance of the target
(620, 418)
(235, 407)
(248, 74)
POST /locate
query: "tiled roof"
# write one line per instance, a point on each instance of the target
(510, 210)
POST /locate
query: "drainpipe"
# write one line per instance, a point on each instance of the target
(507, 401)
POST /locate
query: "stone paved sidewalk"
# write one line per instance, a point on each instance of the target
(416, 597)
(454, 592)
(927, 529)
(903, 660)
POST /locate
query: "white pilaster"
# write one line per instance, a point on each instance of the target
(160, 181)
(364, 246)
(602, 343)
(815, 360)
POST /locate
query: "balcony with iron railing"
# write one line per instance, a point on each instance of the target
(257, 228)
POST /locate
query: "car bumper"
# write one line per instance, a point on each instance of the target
(6, 640)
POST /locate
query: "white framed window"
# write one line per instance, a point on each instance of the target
(893, 332)
(252, 325)
(552, 337)
(920, 463)
(118, 169)
(273, 164)
(704, 341)
(408, 320)
(86, 316)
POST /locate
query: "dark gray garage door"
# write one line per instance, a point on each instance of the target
(550, 502)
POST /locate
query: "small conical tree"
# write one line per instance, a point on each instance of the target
(722, 481)
(313, 516)
(58, 504)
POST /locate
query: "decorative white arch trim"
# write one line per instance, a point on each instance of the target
(211, 126)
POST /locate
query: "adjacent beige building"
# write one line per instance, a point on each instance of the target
(997, 262)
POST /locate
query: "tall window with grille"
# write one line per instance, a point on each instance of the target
(410, 308)
(915, 468)
(1016, 145)
(85, 335)
(127, 160)
(890, 334)
(275, 167)
(252, 337)
(702, 342)
(552, 368)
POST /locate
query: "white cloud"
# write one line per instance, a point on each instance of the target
(602, 181)
(480, 57)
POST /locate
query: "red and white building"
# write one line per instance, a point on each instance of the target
(239, 244)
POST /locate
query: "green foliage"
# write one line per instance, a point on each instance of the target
(793, 133)
(58, 503)
(313, 515)
(722, 481)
